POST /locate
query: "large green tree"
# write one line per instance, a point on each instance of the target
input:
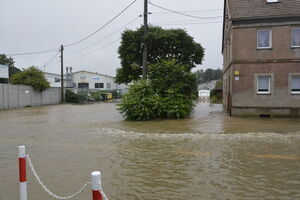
(32, 77)
(5, 60)
(162, 44)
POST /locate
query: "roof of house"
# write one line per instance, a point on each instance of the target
(253, 9)
(92, 73)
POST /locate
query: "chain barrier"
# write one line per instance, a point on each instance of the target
(51, 193)
(103, 194)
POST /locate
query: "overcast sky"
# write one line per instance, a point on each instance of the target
(35, 25)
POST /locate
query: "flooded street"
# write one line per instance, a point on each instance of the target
(209, 156)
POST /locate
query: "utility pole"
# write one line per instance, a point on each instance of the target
(145, 53)
(62, 72)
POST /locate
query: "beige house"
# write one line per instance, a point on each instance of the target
(261, 50)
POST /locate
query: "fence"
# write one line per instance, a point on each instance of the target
(97, 191)
(17, 96)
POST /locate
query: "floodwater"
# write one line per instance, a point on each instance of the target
(209, 156)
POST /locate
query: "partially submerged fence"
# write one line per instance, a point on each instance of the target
(16, 96)
(97, 191)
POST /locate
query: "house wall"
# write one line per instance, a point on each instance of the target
(245, 41)
(92, 78)
(240, 96)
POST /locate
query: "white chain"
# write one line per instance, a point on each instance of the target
(103, 194)
(47, 190)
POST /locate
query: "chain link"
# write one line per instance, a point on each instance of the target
(48, 191)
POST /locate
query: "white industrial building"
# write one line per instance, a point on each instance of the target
(85, 80)
(93, 81)
(53, 79)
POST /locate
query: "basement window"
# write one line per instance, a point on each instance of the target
(295, 37)
(295, 84)
(264, 84)
(264, 39)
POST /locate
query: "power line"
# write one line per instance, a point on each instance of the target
(33, 52)
(170, 24)
(52, 58)
(55, 49)
(190, 11)
(109, 35)
(91, 52)
(180, 13)
(88, 36)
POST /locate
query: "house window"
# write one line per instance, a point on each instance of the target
(108, 85)
(264, 84)
(295, 37)
(99, 85)
(83, 85)
(264, 39)
(295, 84)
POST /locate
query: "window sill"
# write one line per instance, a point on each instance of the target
(295, 93)
(295, 47)
(264, 48)
(263, 93)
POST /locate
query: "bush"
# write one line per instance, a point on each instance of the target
(32, 77)
(140, 103)
(71, 97)
(167, 94)
(176, 105)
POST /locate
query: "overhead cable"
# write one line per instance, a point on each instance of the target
(91, 52)
(99, 29)
(190, 11)
(102, 39)
(33, 52)
(184, 14)
(52, 58)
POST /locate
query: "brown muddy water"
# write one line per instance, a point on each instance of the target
(209, 156)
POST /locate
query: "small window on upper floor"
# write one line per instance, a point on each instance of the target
(295, 84)
(295, 36)
(264, 39)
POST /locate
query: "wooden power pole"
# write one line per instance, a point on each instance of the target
(62, 72)
(145, 53)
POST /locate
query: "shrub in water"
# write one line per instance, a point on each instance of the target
(140, 103)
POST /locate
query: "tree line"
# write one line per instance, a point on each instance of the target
(208, 75)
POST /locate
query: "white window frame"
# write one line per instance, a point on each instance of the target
(270, 34)
(293, 92)
(263, 92)
(292, 37)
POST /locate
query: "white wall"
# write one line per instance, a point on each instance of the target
(92, 78)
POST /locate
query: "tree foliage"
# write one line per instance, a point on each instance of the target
(32, 77)
(208, 75)
(5, 60)
(162, 44)
(168, 93)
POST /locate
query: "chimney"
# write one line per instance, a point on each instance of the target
(67, 70)
(70, 70)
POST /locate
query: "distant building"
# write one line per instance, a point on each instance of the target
(207, 86)
(261, 51)
(53, 79)
(85, 80)
(93, 81)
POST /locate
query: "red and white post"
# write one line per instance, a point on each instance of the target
(96, 185)
(22, 173)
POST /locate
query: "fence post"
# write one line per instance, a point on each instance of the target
(96, 185)
(22, 173)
